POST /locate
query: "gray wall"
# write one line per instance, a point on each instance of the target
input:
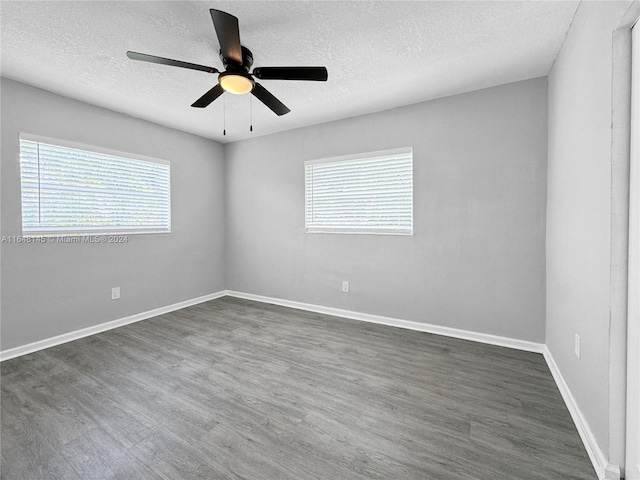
(580, 256)
(50, 289)
(476, 259)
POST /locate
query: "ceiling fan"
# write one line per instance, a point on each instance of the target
(237, 61)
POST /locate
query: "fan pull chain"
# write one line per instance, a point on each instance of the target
(224, 115)
(250, 113)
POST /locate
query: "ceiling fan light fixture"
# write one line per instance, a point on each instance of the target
(236, 83)
(237, 61)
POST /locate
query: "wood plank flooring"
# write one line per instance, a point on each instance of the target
(233, 389)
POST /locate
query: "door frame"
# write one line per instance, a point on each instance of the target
(632, 467)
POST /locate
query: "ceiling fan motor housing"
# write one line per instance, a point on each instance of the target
(231, 66)
(236, 78)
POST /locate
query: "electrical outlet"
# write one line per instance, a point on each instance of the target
(345, 286)
(115, 293)
(576, 345)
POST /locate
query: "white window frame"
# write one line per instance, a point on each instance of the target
(92, 149)
(359, 230)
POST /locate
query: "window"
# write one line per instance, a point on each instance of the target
(70, 190)
(367, 193)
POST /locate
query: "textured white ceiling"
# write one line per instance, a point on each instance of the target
(379, 55)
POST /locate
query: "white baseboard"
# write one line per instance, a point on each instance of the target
(603, 468)
(612, 472)
(396, 322)
(85, 332)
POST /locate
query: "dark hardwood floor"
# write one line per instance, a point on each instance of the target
(233, 389)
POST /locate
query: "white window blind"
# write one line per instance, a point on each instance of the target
(68, 190)
(368, 193)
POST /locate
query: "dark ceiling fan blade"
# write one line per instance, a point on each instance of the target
(318, 74)
(167, 61)
(228, 33)
(207, 98)
(269, 100)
